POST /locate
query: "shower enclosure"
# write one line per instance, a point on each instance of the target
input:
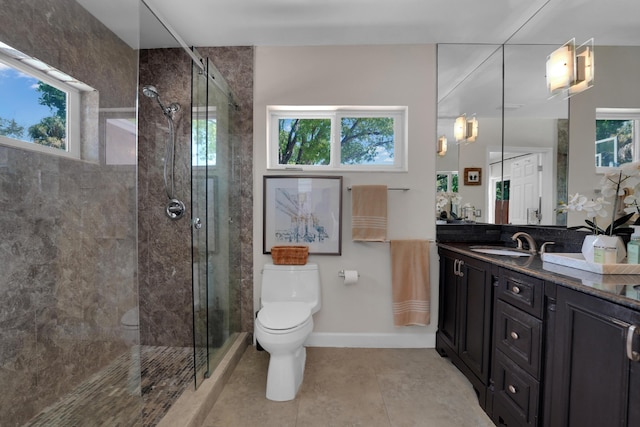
(98, 285)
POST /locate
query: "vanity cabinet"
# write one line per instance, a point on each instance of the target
(518, 349)
(464, 318)
(595, 381)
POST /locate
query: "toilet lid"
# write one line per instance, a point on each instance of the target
(284, 315)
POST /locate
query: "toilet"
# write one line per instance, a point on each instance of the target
(290, 296)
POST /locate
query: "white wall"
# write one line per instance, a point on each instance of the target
(615, 86)
(359, 315)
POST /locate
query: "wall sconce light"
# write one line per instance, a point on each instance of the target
(570, 70)
(465, 130)
(442, 146)
(584, 68)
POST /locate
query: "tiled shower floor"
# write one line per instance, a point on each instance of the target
(111, 397)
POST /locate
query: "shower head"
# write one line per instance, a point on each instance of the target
(153, 93)
(150, 91)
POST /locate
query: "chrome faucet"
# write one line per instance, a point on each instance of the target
(532, 243)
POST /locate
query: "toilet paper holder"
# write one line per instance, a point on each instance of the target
(341, 274)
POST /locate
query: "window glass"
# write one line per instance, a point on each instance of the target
(367, 140)
(304, 141)
(334, 138)
(614, 142)
(204, 130)
(32, 110)
(447, 182)
(40, 106)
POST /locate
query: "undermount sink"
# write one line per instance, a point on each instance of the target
(497, 250)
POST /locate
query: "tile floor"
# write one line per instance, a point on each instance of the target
(353, 387)
(112, 396)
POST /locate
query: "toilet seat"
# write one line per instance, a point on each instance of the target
(284, 316)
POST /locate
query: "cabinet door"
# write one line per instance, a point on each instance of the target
(448, 307)
(594, 382)
(475, 316)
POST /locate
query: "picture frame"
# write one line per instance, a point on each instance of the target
(303, 210)
(472, 176)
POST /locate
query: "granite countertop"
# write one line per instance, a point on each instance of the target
(623, 289)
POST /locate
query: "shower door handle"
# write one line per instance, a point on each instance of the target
(197, 223)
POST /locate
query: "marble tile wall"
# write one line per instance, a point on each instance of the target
(164, 245)
(68, 250)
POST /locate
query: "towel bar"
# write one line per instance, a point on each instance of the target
(388, 241)
(391, 188)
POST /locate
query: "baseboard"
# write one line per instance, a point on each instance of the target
(371, 340)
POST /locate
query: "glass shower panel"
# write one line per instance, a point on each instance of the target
(218, 216)
(199, 211)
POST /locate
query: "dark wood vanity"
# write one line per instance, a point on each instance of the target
(541, 348)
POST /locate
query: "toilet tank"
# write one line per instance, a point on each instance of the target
(291, 283)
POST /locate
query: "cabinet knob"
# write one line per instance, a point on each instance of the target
(515, 289)
(514, 335)
(512, 389)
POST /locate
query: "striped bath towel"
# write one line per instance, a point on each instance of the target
(410, 282)
(369, 213)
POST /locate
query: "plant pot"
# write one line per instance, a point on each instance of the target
(593, 240)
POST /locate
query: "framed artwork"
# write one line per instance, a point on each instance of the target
(303, 210)
(472, 176)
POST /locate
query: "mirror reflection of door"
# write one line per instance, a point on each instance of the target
(525, 189)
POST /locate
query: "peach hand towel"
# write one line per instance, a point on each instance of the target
(369, 213)
(410, 282)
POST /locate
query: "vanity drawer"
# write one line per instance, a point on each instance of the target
(522, 291)
(516, 394)
(519, 336)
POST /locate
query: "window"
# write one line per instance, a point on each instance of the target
(447, 181)
(337, 138)
(40, 106)
(617, 137)
(204, 126)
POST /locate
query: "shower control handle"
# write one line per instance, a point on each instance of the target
(175, 209)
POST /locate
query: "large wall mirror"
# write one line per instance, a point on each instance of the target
(533, 150)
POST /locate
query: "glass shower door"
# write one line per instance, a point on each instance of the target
(214, 277)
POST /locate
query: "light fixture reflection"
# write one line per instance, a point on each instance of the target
(465, 130)
(460, 128)
(442, 146)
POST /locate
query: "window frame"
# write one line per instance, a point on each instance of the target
(73, 145)
(335, 114)
(630, 114)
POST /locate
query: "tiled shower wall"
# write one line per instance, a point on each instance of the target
(165, 264)
(68, 248)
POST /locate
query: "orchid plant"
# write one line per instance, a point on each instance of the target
(616, 185)
(446, 199)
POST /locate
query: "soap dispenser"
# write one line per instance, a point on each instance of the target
(633, 247)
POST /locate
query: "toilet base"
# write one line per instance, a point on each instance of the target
(285, 375)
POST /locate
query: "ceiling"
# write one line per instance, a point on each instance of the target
(344, 22)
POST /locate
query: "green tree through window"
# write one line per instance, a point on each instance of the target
(363, 140)
(304, 141)
(51, 131)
